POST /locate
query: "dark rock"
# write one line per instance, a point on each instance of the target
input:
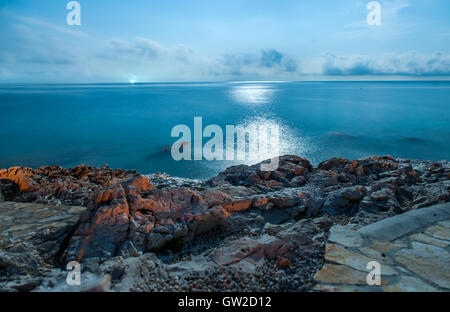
(276, 216)
(353, 194)
(289, 168)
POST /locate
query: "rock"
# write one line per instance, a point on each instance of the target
(445, 224)
(410, 284)
(345, 236)
(335, 205)
(341, 274)
(101, 285)
(264, 230)
(2, 198)
(353, 194)
(380, 195)
(284, 262)
(130, 211)
(429, 240)
(427, 262)
(345, 288)
(23, 284)
(238, 205)
(384, 246)
(72, 186)
(276, 216)
(103, 226)
(289, 167)
(372, 206)
(272, 229)
(439, 232)
(141, 183)
(340, 255)
(238, 250)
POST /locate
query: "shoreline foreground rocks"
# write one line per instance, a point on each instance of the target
(243, 230)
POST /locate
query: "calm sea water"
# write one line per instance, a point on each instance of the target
(129, 126)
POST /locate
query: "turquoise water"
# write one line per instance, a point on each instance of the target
(129, 126)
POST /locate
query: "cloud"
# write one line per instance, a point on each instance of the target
(150, 58)
(406, 64)
(33, 50)
(138, 47)
(44, 25)
(269, 61)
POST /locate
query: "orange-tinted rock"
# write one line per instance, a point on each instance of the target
(22, 176)
(239, 205)
(129, 212)
(71, 186)
(261, 201)
(141, 183)
(272, 183)
(283, 262)
(103, 226)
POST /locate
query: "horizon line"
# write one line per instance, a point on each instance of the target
(223, 81)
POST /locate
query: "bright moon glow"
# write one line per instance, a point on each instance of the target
(252, 94)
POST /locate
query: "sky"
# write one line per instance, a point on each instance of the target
(223, 40)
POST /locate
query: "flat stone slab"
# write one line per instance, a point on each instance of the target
(428, 262)
(394, 227)
(345, 236)
(341, 255)
(410, 284)
(341, 274)
(412, 254)
(20, 219)
(438, 232)
(430, 240)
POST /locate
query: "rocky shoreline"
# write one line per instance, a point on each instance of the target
(243, 230)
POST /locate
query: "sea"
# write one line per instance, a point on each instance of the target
(130, 125)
